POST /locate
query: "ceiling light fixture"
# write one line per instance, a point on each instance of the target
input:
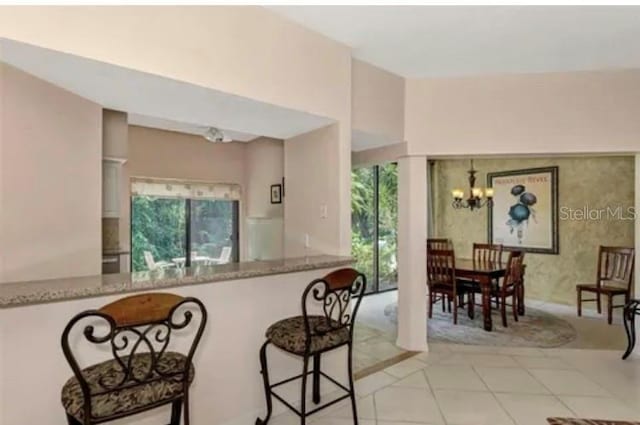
(215, 135)
(474, 201)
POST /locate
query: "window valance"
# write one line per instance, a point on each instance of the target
(184, 189)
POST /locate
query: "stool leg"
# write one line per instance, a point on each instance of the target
(629, 319)
(72, 421)
(176, 410)
(316, 378)
(185, 406)
(303, 399)
(267, 388)
(351, 385)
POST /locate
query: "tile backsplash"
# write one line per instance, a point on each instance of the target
(110, 234)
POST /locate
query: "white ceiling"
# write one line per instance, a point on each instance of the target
(157, 101)
(439, 41)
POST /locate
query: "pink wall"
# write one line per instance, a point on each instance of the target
(50, 181)
(578, 112)
(377, 101)
(310, 185)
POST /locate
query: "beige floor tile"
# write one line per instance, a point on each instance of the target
(471, 408)
(567, 382)
(520, 351)
(480, 359)
(342, 410)
(530, 409)
(542, 362)
(600, 408)
(372, 383)
(415, 380)
(405, 368)
(454, 377)
(510, 380)
(407, 405)
(338, 421)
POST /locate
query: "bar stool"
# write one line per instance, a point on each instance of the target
(144, 371)
(310, 335)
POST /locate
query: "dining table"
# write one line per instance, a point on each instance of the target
(484, 273)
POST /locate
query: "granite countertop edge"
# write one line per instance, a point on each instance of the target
(55, 290)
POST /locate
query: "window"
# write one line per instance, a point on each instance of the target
(374, 224)
(178, 231)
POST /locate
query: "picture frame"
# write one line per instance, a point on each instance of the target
(523, 214)
(276, 193)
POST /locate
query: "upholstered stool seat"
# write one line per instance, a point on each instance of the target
(290, 334)
(156, 388)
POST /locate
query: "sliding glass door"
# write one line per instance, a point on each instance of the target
(374, 224)
(175, 233)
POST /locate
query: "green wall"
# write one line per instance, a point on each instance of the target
(596, 182)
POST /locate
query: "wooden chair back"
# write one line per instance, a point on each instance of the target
(487, 253)
(514, 270)
(441, 268)
(615, 266)
(438, 244)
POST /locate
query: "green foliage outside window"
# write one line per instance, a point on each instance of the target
(363, 222)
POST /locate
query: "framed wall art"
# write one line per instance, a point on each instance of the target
(524, 212)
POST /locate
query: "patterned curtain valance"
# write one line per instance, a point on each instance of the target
(170, 188)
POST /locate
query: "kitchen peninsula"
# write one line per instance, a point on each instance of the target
(242, 299)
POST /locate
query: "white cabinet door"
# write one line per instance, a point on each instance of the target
(110, 189)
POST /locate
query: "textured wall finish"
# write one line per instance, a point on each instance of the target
(591, 182)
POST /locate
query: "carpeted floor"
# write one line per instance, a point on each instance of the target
(536, 329)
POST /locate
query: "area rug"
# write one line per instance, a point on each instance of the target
(535, 329)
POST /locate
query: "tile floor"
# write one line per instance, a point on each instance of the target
(481, 385)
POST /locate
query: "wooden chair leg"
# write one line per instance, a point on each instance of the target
(431, 299)
(455, 310)
(514, 307)
(503, 311)
(599, 302)
(579, 291)
(444, 300)
(610, 309)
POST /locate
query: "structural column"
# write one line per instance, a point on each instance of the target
(412, 234)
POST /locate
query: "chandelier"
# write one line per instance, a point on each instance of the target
(475, 199)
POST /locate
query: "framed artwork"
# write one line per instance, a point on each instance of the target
(524, 214)
(276, 193)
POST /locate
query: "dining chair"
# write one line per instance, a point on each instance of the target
(483, 253)
(510, 285)
(441, 280)
(441, 244)
(308, 336)
(614, 277)
(143, 369)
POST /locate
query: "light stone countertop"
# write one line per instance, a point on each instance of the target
(45, 291)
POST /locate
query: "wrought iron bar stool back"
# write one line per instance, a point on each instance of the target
(143, 372)
(326, 323)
